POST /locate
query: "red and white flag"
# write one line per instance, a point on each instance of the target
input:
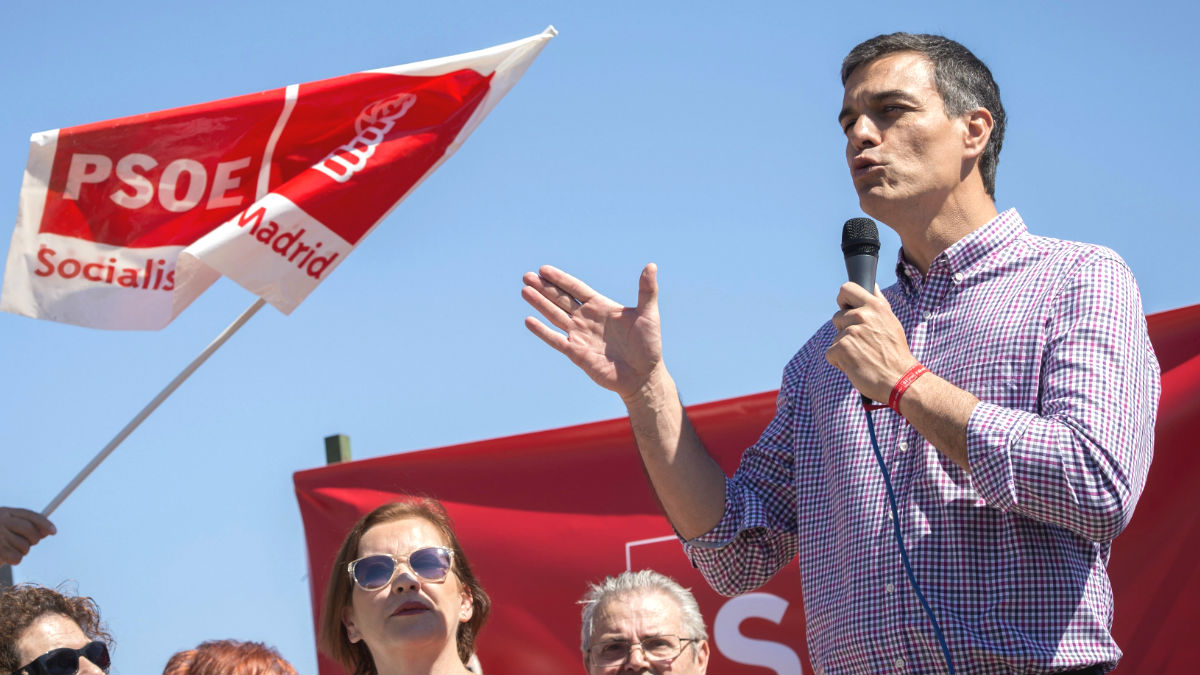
(122, 224)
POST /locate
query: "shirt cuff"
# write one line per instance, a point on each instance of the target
(992, 433)
(722, 534)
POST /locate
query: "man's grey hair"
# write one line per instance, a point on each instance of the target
(644, 581)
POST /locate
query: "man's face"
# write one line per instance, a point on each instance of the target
(631, 619)
(903, 151)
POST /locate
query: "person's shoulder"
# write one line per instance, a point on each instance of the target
(1069, 253)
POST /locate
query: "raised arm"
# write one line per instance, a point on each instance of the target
(620, 348)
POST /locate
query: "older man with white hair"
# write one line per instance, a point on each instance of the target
(642, 622)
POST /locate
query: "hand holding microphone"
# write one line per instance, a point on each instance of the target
(870, 346)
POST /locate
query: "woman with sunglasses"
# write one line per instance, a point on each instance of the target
(401, 597)
(43, 632)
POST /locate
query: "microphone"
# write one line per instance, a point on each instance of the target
(860, 246)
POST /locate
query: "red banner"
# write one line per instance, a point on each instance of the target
(122, 224)
(540, 515)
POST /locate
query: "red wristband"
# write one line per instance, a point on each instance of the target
(903, 385)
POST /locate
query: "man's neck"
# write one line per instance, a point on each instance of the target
(923, 238)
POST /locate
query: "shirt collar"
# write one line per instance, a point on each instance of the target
(963, 254)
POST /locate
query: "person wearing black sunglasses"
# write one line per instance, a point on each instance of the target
(45, 632)
(401, 596)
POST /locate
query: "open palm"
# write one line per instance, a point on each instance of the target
(618, 347)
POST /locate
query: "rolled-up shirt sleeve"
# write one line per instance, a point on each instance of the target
(757, 534)
(1080, 459)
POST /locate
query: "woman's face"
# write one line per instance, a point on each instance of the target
(52, 631)
(410, 612)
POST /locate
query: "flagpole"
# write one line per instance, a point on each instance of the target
(150, 407)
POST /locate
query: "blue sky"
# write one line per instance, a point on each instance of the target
(701, 136)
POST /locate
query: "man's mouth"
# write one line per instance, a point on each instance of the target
(862, 165)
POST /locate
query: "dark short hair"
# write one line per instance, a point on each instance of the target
(356, 656)
(22, 605)
(962, 80)
(231, 657)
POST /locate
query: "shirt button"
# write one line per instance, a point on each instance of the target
(899, 663)
(927, 314)
(890, 516)
(890, 588)
(958, 277)
(903, 446)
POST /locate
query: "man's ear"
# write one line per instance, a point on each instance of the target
(352, 632)
(977, 131)
(701, 656)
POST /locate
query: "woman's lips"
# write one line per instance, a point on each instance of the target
(410, 608)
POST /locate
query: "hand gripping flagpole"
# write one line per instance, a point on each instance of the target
(152, 405)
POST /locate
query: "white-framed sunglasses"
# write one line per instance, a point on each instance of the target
(373, 572)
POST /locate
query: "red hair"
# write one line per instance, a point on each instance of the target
(229, 657)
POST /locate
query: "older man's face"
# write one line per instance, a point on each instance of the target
(635, 633)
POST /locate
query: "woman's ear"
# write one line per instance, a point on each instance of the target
(352, 632)
(466, 608)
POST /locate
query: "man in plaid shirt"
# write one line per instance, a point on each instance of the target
(1022, 392)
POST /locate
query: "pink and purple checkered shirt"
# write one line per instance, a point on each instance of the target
(1051, 337)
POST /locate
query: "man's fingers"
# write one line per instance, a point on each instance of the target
(548, 308)
(553, 293)
(32, 523)
(851, 295)
(9, 556)
(575, 288)
(648, 286)
(42, 523)
(553, 338)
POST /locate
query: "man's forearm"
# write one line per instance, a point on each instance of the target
(939, 411)
(689, 484)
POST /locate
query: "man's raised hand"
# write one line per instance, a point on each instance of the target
(618, 347)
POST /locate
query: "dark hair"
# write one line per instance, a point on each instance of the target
(22, 605)
(962, 80)
(229, 657)
(356, 656)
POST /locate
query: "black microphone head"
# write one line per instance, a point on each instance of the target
(860, 237)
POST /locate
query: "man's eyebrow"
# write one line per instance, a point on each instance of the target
(880, 97)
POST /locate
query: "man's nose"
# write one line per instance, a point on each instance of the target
(863, 133)
(638, 663)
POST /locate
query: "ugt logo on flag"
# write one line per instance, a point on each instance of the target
(122, 224)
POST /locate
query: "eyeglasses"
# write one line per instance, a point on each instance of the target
(656, 648)
(376, 571)
(65, 661)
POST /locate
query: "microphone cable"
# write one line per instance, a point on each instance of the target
(912, 578)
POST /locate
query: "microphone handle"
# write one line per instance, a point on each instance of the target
(861, 270)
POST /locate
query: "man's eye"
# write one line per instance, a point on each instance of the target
(614, 648)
